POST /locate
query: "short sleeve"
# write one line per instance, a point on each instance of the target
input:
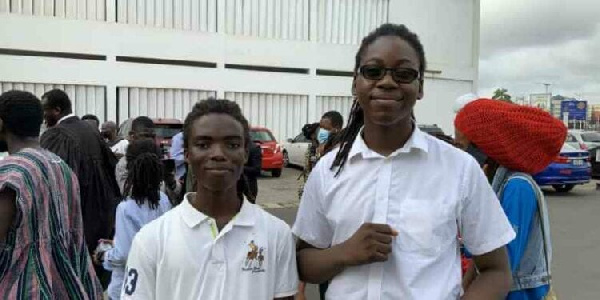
(311, 223)
(140, 274)
(483, 224)
(286, 281)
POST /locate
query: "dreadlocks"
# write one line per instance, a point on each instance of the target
(356, 118)
(144, 173)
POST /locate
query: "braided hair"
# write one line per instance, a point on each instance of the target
(356, 118)
(227, 107)
(144, 173)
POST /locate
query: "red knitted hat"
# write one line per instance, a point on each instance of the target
(517, 137)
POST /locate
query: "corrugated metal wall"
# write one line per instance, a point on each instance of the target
(283, 114)
(69, 9)
(275, 19)
(348, 21)
(341, 104)
(86, 99)
(158, 103)
(195, 15)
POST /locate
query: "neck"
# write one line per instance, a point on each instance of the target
(16, 145)
(387, 139)
(218, 205)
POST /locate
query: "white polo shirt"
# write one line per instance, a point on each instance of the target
(182, 255)
(426, 191)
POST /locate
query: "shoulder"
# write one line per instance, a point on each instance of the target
(519, 183)
(157, 230)
(270, 221)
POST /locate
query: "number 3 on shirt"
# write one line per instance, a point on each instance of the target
(131, 282)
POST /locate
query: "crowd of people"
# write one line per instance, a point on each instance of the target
(384, 208)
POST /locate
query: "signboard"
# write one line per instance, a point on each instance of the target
(576, 110)
(541, 101)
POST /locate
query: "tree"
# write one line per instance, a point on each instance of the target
(502, 95)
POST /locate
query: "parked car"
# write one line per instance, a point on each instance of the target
(294, 151)
(595, 162)
(165, 129)
(583, 140)
(570, 168)
(272, 154)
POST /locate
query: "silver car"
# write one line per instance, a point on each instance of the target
(583, 140)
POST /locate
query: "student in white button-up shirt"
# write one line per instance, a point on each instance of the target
(379, 217)
(214, 245)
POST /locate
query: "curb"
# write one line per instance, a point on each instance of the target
(273, 205)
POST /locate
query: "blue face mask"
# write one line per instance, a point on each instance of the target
(323, 136)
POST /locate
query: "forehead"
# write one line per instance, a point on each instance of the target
(217, 126)
(391, 50)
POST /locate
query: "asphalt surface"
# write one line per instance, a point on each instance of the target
(575, 226)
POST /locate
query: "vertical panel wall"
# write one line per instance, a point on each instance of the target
(70, 9)
(86, 99)
(158, 102)
(341, 104)
(283, 114)
(194, 15)
(348, 21)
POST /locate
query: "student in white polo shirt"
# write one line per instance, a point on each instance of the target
(379, 217)
(214, 245)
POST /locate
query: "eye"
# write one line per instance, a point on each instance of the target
(405, 75)
(202, 145)
(372, 72)
(234, 145)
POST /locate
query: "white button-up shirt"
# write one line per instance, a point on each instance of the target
(182, 255)
(426, 191)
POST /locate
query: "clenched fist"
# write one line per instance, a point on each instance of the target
(370, 243)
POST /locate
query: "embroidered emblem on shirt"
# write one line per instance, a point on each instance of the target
(254, 259)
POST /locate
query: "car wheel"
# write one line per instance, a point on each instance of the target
(286, 159)
(276, 173)
(563, 188)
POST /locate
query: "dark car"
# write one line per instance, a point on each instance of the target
(165, 129)
(570, 168)
(595, 161)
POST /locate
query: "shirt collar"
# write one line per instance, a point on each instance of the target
(417, 140)
(192, 217)
(65, 117)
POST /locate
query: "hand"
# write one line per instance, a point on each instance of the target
(370, 243)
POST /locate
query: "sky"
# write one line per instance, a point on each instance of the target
(525, 43)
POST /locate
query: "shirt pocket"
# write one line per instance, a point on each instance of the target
(424, 227)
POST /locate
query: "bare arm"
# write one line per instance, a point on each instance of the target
(318, 265)
(494, 278)
(7, 211)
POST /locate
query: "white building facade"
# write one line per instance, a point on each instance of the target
(284, 61)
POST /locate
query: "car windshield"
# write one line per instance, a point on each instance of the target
(571, 139)
(591, 137)
(167, 131)
(261, 136)
(568, 148)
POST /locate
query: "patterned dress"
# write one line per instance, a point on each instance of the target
(44, 255)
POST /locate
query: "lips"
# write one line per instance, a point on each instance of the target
(386, 98)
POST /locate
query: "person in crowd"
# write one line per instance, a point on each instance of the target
(117, 145)
(82, 148)
(310, 157)
(215, 244)
(144, 204)
(143, 128)
(251, 173)
(512, 142)
(176, 153)
(92, 120)
(44, 255)
(330, 125)
(379, 217)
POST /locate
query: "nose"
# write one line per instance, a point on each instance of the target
(217, 153)
(387, 82)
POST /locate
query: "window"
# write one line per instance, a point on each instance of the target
(591, 137)
(261, 136)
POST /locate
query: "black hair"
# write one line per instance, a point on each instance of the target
(214, 106)
(144, 173)
(22, 113)
(337, 121)
(91, 117)
(356, 118)
(309, 129)
(142, 123)
(58, 99)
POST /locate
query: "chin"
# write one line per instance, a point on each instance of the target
(388, 121)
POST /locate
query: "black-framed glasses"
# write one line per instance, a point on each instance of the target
(400, 75)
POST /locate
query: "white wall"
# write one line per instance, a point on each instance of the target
(305, 34)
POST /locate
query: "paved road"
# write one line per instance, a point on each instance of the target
(574, 217)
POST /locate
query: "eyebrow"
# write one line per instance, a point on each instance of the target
(228, 137)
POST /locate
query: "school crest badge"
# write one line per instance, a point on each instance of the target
(255, 258)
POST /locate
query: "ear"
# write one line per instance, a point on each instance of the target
(420, 94)
(186, 156)
(486, 169)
